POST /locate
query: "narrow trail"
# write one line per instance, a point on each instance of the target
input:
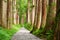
(24, 34)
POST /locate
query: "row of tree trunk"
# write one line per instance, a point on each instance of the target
(39, 13)
(44, 15)
(8, 13)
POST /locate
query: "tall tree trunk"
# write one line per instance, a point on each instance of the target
(35, 17)
(22, 19)
(39, 14)
(17, 18)
(33, 11)
(4, 14)
(36, 9)
(57, 23)
(1, 4)
(52, 14)
(28, 13)
(44, 12)
(9, 13)
(14, 12)
(57, 28)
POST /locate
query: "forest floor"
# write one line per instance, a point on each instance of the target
(24, 34)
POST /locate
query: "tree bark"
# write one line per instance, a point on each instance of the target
(36, 9)
(39, 14)
(1, 4)
(44, 12)
(9, 13)
(57, 30)
(51, 15)
(33, 12)
(28, 12)
(4, 14)
(57, 23)
(14, 12)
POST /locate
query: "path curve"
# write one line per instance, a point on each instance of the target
(24, 34)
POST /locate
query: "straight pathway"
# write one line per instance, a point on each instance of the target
(24, 34)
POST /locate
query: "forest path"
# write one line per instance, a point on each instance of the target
(24, 34)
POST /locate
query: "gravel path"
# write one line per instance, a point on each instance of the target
(24, 34)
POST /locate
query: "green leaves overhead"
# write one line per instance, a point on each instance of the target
(22, 6)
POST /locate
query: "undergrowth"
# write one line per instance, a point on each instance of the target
(6, 34)
(40, 33)
(28, 26)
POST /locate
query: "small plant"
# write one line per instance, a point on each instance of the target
(49, 34)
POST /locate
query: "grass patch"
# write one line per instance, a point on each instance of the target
(6, 34)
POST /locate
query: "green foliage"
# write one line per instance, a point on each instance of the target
(40, 33)
(6, 34)
(28, 26)
(36, 32)
(49, 34)
(22, 6)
